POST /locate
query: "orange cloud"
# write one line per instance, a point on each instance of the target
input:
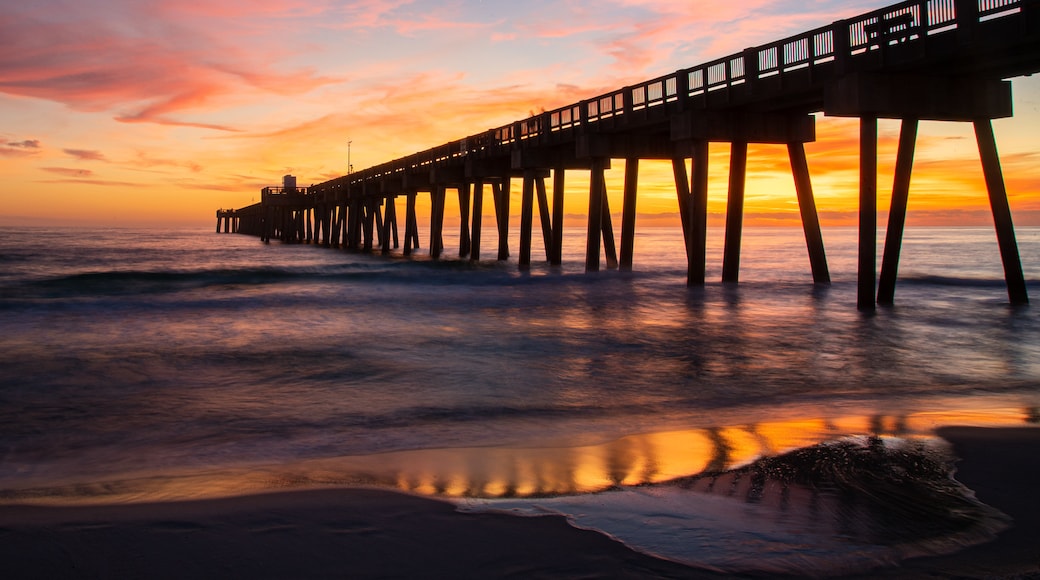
(68, 171)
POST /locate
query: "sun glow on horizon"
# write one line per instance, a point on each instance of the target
(120, 114)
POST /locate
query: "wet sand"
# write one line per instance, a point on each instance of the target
(1002, 466)
(363, 533)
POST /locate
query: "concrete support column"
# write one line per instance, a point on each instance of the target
(596, 186)
(464, 200)
(371, 209)
(478, 219)
(410, 223)
(867, 213)
(501, 192)
(696, 243)
(526, 217)
(556, 255)
(437, 220)
(734, 211)
(628, 212)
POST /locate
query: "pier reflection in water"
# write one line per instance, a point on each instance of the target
(544, 469)
(639, 459)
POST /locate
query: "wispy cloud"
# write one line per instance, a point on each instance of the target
(68, 171)
(85, 154)
(27, 144)
(24, 148)
(90, 182)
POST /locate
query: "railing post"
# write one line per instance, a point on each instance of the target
(840, 31)
(750, 68)
(682, 89)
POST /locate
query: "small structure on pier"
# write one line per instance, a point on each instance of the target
(918, 60)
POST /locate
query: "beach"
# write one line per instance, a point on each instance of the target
(369, 533)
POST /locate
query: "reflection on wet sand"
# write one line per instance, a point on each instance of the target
(640, 459)
(546, 470)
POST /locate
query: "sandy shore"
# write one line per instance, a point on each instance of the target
(369, 534)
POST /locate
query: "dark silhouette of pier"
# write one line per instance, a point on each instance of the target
(944, 60)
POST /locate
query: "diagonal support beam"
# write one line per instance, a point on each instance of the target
(998, 200)
(897, 212)
(543, 215)
(807, 209)
(682, 191)
(607, 226)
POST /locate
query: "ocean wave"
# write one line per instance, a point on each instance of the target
(955, 281)
(430, 273)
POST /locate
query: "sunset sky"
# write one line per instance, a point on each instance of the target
(132, 112)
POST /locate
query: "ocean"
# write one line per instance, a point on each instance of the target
(157, 365)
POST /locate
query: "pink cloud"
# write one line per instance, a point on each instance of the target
(145, 70)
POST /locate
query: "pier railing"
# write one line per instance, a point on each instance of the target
(835, 46)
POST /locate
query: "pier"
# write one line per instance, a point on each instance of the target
(945, 60)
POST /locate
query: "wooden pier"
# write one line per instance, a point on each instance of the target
(921, 60)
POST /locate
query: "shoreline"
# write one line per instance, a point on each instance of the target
(362, 532)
